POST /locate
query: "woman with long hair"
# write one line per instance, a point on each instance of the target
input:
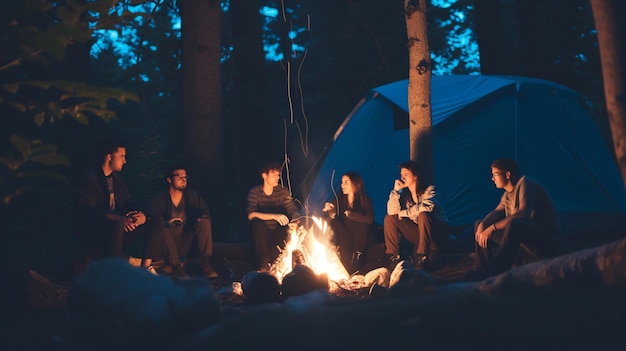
(351, 215)
(413, 212)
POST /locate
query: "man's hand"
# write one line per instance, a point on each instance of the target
(140, 218)
(132, 220)
(129, 223)
(293, 226)
(482, 236)
(174, 222)
(281, 219)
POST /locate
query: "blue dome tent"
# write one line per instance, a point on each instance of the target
(545, 126)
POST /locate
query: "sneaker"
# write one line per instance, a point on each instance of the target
(166, 269)
(209, 272)
(152, 270)
(207, 268)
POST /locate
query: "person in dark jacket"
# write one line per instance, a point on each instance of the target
(270, 209)
(352, 216)
(188, 223)
(109, 219)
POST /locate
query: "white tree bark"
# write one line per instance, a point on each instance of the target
(420, 65)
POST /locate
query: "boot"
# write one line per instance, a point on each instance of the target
(391, 261)
(355, 263)
(419, 260)
(207, 268)
(432, 262)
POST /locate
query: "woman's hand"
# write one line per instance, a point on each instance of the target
(328, 207)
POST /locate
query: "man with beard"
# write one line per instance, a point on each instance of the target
(187, 224)
(109, 220)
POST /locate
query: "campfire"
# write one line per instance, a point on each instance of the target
(314, 249)
(308, 261)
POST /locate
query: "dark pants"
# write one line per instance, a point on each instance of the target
(503, 248)
(266, 239)
(109, 239)
(428, 235)
(179, 241)
(351, 238)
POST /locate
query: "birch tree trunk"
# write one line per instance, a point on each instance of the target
(420, 70)
(611, 27)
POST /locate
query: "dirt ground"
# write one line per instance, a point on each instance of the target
(43, 328)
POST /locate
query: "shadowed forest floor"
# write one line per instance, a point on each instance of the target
(43, 328)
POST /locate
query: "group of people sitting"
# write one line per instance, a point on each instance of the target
(175, 227)
(524, 225)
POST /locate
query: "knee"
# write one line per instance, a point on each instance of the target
(203, 226)
(155, 227)
(390, 219)
(424, 216)
(516, 225)
(476, 224)
(156, 222)
(257, 227)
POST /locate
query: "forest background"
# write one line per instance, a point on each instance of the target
(284, 75)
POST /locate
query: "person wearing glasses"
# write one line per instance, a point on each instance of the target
(271, 210)
(109, 220)
(187, 220)
(524, 221)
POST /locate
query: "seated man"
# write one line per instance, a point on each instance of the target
(414, 213)
(270, 209)
(108, 218)
(188, 223)
(525, 218)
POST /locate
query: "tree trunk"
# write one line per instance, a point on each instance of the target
(201, 98)
(256, 139)
(420, 65)
(608, 15)
(498, 36)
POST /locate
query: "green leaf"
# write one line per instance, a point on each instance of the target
(21, 144)
(81, 118)
(55, 109)
(10, 88)
(51, 159)
(40, 118)
(43, 174)
(39, 147)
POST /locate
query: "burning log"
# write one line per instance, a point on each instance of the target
(260, 287)
(302, 280)
(297, 258)
(405, 279)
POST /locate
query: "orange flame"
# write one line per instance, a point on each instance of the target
(319, 253)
